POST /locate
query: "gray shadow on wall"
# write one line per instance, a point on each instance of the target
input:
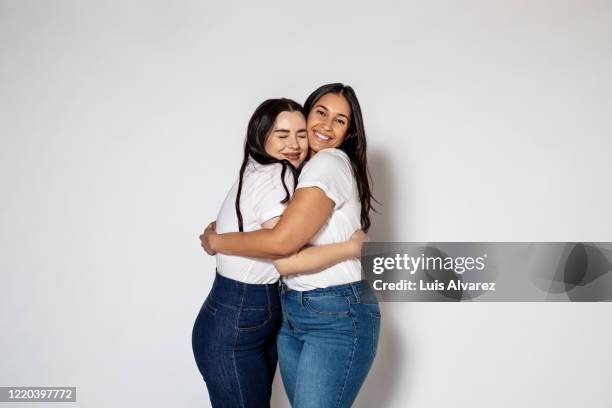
(388, 209)
(388, 373)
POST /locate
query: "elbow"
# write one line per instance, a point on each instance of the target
(284, 247)
(281, 252)
(279, 243)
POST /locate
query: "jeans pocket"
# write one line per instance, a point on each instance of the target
(209, 306)
(375, 316)
(328, 305)
(251, 319)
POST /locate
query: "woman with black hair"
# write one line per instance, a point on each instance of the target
(331, 319)
(234, 336)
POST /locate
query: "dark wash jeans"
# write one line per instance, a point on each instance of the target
(327, 343)
(234, 342)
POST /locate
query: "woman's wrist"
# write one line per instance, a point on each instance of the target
(354, 248)
(212, 242)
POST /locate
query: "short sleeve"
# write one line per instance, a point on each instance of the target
(271, 193)
(329, 170)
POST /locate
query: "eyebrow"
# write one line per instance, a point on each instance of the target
(287, 130)
(340, 114)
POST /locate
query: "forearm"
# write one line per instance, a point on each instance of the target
(264, 243)
(305, 215)
(314, 259)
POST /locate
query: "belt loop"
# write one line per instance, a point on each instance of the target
(300, 298)
(282, 287)
(355, 292)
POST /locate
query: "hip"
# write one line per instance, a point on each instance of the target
(341, 306)
(236, 315)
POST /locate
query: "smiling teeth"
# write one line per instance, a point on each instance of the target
(320, 136)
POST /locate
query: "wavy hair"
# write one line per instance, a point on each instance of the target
(258, 130)
(354, 145)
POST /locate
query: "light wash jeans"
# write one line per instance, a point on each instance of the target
(327, 343)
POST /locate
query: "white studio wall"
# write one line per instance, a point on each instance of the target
(121, 129)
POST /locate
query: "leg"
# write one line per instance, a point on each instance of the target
(255, 356)
(289, 350)
(271, 357)
(325, 363)
(340, 344)
(213, 338)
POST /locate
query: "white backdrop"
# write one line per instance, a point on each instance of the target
(121, 126)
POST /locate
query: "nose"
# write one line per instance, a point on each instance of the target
(327, 123)
(292, 142)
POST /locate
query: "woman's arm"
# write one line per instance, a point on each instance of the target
(313, 259)
(305, 215)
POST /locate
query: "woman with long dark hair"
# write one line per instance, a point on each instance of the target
(234, 336)
(331, 319)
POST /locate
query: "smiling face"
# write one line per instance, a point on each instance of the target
(287, 139)
(328, 122)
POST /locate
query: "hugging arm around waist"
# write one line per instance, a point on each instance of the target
(305, 215)
(312, 259)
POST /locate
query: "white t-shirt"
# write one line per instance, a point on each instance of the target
(330, 170)
(262, 192)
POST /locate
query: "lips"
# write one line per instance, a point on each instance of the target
(292, 156)
(321, 137)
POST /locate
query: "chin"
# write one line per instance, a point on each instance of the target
(319, 147)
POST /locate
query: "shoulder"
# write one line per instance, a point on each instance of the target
(330, 170)
(330, 158)
(332, 154)
(267, 175)
(257, 170)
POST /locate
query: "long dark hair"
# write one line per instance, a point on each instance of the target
(260, 126)
(354, 145)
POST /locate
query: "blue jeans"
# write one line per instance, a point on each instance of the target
(234, 342)
(327, 343)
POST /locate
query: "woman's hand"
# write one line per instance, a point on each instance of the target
(206, 237)
(357, 240)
